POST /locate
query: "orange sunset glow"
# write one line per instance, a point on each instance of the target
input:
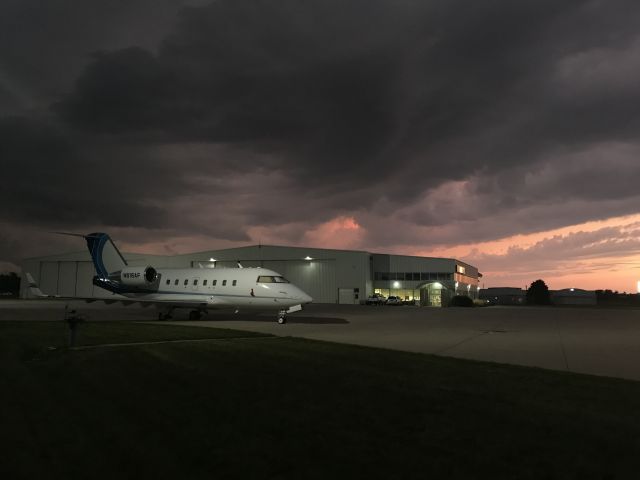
(592, 255)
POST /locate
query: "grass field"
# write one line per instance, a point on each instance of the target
(268, 407)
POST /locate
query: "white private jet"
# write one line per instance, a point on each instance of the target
(199, 289)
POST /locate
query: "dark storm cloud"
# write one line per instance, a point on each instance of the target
(46, 181)
(288, 114)
(352, 87)
(45, 45)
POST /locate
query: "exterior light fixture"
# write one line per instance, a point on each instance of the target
(308, 258)
(396, 284)
(437, 285)
(212, 259)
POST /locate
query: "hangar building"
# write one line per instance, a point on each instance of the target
(329, 276)
(504, 296)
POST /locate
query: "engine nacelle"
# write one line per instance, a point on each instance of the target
(139, 276)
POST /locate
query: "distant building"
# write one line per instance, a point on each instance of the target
(503, 296)
(329, 276)
(573, 296)
(518, 296)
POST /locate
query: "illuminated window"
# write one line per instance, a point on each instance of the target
(270, 279)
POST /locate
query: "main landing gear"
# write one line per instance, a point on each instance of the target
(282, 317)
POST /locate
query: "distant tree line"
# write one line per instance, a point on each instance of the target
(612, 298)
(10, 283)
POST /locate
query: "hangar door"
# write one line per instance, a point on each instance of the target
(84, 279)
(317, 277)
(49, 278)
(67, 278)
(348, 296)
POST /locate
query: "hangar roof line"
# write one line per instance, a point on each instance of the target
(247, 247)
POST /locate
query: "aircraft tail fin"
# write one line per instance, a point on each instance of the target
(33, 286)
(106, 257)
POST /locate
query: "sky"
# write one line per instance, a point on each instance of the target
(501, 133)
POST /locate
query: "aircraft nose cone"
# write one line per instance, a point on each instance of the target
(304, 298)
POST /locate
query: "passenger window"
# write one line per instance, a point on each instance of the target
(186, 281)
(224, 282)
(234, 283)
(204, 283)
(168, 281)
(195, 282)
(176, 282)
(215, 282)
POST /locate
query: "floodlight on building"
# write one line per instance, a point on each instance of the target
(396, 284)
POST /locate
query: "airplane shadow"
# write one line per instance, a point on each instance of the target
(247, 317)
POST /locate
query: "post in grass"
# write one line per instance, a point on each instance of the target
(73, 320)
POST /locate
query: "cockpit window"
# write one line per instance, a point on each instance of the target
(271, 279)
